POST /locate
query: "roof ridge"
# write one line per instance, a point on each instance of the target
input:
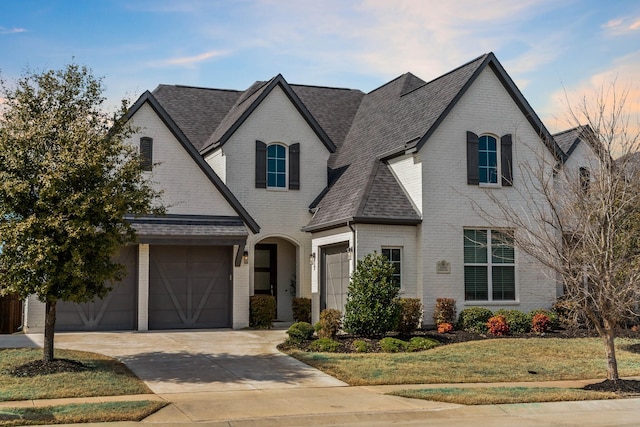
(483, 56)
(324, 87)
(573, 129)
(202, 87)
(387, 83)
(259, 86)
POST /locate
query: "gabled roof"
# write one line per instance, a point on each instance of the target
(249, 101)
(196, 111)
(148, 98)
(398, 118)
(569, 139)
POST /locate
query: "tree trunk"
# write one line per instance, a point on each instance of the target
(49, 330)
(612, 363)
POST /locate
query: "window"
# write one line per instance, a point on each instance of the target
(489, 265)
(271, 165)
(483, 153)
(585, 179)
(488, 159)
(276, 166)
(146, 153)
(394, 257)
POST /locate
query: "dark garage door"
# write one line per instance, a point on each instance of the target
(117, 311)
(190, 287)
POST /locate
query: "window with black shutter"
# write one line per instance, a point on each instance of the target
(146, 153)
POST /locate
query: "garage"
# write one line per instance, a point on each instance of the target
(190, 286)
(117, 311)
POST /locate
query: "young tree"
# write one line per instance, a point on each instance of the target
(372, 306)
(66, 182)
(588, 230)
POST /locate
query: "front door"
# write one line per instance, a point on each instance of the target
(265, 270)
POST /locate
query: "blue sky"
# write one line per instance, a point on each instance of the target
(548, 47)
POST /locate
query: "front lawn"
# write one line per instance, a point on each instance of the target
(492, 360)
(98, 376)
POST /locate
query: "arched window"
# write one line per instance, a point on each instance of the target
(276, 166)
(488, 159)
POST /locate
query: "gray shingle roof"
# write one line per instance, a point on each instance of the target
(392, 117)
(201, 228)
(197, 111)
(568, 140)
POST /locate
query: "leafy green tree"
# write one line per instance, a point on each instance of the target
(67, 179)
(372, 306)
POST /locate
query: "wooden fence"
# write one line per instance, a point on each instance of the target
(10, 314)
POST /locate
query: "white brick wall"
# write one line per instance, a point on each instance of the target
(447, 207)
(186, 188)
(218, 162)
(408, 171)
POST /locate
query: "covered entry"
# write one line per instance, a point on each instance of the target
(334, 276)
(190, 286)
(117, 311)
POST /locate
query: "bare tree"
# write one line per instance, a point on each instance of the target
(588, 231)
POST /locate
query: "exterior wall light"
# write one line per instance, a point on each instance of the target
(245, 257)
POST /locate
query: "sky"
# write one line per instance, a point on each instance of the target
(557, 51)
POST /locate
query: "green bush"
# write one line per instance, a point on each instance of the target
(262, 311)
(410, 315)
(360, 346)
(554, 319)
(372, 307)
(299, 332)
(445, 311)
(517, 321)
(474, 319)
(393, 345)
(421, 344)
(326, 345)
(329, 324)
(301, 309)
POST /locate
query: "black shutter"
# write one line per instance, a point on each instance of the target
(146, 153)
(473, 169)
(294, 166)
(261, 164)
(506, 160)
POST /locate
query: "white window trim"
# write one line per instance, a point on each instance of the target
(489, 264)
(286, 167)
(401, 248)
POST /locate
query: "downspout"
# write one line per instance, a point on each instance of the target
(355, 257)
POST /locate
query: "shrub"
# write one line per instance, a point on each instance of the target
(410, 315)
(393, 345)
(326, 345)
(497, 325)
(540, 323)
(445, 311)
(262, 311)
(299, 332)
(444, 328)
(554, 320)
(329, 324)
(474, 319)
(301, 309)
(372, 299)
(360, 346)
(568, 315)
(517, 321)
(421, 344)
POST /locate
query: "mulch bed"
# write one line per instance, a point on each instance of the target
(40, 367)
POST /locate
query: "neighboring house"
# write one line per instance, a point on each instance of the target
(281, 188)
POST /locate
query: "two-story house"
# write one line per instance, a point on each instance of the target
(279, 189)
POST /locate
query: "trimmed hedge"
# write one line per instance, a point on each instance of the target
(262, 311)
(474, 319)
(301, 309)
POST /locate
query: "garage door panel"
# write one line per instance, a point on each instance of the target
(190, 287)
(117, 311)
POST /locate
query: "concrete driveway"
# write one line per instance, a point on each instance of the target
(194, 361)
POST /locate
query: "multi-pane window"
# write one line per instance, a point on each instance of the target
(489, 265)
(276, 166)
(394, 257)
(488, 159)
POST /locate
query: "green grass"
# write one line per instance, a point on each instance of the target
(498, 360)
(79, 413)
(503, 395)
(107, 377)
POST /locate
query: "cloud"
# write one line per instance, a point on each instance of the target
(190, 60)
(621, 26)
(621, 77)
(4, 30)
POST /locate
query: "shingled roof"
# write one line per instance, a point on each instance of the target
(569, 139)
